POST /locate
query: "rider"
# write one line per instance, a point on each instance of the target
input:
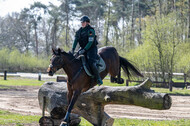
(86, 38)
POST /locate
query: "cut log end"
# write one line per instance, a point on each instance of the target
(167, 102)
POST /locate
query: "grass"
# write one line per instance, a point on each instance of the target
(7, 118)
(21, 82)
(107, 82)
(175, 91)
(136, 122)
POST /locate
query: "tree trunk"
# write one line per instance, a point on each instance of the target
(160, 7)
(108, 24)
(36, 39)
(54, 33)
(174, 5)
(140, 26)
(67, 22)
(132, 43)
(189, 20)
(90, 104)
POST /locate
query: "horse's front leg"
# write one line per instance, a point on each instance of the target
(69, 95)
(70, 107)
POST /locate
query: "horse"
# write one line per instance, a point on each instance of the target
(78, 81)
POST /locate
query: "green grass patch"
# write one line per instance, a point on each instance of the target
(107, 82)
(175, 91)
(5, 87)
(136, 122)
(21, 82)
(8, 119)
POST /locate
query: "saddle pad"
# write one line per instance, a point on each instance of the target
(101, 66)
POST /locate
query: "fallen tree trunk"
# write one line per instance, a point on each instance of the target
(90, 104)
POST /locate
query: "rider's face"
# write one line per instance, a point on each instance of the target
(84, 24)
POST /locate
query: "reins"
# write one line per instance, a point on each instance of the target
(77, 74)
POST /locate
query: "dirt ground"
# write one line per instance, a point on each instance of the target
(24, 100)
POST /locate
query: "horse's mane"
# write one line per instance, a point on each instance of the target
(70, 56)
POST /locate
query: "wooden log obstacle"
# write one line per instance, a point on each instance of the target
(90, 104)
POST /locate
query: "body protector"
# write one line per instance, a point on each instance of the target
(86, 38)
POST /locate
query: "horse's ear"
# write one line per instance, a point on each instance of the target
(53, 50)
(59, 51)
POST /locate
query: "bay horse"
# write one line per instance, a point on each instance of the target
(78, 81)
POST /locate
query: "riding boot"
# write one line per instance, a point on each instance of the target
(96, 73)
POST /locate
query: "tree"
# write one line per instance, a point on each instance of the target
(66, 13)
(33, 15)
(108, 21)
(36, 17)
(94, 9)
(188, 20)
(163, 35)
(15, 32)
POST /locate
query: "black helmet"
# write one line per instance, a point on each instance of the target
(85, 19)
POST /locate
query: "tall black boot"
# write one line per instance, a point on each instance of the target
(96, 73)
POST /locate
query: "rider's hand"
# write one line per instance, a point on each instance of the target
(81, 52)
(72, 51)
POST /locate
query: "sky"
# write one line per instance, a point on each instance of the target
(9, 6)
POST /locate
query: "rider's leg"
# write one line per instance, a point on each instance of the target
(92, 58)
(96, 73)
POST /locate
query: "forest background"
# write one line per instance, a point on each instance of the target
(153, 34)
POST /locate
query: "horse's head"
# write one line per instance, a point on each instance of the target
(56, 62)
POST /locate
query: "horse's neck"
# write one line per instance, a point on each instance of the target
(71, 67)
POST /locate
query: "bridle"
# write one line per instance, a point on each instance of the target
(61, 60)
(62, 66)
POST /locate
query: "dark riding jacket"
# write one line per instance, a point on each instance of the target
(86, 38)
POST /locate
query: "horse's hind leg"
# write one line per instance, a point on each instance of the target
(70, 107)
(119, 79)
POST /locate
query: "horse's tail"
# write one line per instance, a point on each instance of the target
(129, 68)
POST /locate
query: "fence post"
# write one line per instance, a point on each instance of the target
(127, 82)
(5, 75)
(185, 79)
(39, 76)
(170, 83)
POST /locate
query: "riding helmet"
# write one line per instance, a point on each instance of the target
(85, 19)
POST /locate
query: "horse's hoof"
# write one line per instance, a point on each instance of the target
(64, 123)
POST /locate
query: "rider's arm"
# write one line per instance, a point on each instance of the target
(91, 36)
(74, 43)
(75, 40)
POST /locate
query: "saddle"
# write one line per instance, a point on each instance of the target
(101, 66)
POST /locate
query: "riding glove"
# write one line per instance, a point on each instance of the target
(81, 52)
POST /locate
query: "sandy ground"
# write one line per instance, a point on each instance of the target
(24, 100)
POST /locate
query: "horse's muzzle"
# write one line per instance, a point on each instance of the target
(50, 72)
